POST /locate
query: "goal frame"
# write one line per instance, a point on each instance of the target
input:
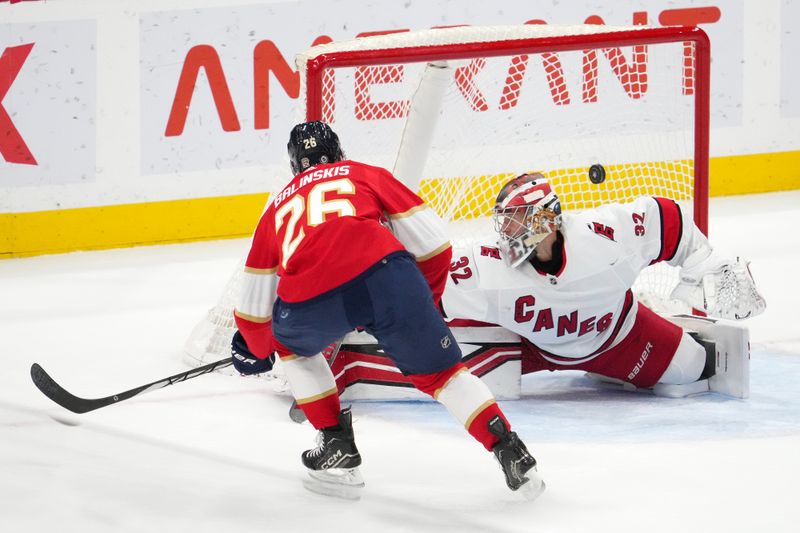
(211, 337)
(316, 66)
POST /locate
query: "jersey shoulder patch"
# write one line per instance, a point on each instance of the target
(486, 250)
(601, 222)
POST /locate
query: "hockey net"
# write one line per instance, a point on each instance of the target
(456, 112)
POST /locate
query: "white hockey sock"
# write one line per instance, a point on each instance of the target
(465, 396)
(310, 378)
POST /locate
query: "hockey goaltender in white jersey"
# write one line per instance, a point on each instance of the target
(563, 283)
(553, 292)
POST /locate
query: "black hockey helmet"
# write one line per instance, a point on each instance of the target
(312, 143)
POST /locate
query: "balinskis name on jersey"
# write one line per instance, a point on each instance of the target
(587, 306)
(311, 177)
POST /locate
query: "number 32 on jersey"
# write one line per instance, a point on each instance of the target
(316, 207)
(460, 270)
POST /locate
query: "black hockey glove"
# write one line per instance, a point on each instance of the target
(243, 359)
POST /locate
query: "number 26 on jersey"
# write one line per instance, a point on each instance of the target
(316, 207)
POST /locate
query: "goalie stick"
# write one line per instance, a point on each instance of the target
(67, 400)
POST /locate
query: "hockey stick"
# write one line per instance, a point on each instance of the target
(297, 414)
(67, 400)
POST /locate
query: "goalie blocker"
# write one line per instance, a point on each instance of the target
(499, 358)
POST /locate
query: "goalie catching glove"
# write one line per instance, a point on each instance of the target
(243, 359)
(718, 286)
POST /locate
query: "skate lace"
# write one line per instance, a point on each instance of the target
(320, 448)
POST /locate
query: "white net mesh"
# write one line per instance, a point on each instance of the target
(513, 100)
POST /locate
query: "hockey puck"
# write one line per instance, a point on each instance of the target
(597, 173)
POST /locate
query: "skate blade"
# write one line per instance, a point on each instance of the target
(533, 488)
(345, 483)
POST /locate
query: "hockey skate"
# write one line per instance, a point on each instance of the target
(518, 465)
(333, 464)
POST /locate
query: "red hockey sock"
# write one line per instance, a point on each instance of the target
(479, 427)
(322, 412)
(313, 386)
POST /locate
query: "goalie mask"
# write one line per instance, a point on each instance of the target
(313, 143)
(526, 211)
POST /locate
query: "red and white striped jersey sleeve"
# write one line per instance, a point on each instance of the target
(660, 229)
(679, 235)
(421, 231)
(253, 312)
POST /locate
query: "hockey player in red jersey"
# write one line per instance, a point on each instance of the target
(563, 283)
(343, 246)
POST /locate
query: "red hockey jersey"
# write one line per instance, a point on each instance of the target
(327, 226)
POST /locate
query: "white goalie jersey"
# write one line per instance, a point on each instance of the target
(587, 306)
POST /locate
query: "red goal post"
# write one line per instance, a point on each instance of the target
(318, 65)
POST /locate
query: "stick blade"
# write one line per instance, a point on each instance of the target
(55, 392)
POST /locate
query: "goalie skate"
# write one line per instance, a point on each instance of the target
(731, 353)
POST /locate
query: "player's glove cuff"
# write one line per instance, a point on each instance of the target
(243, 359)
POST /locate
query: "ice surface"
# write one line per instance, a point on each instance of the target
(219, 454)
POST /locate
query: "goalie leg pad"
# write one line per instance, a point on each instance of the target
(364, 372)
(731, 341)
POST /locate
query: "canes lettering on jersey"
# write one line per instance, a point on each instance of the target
(565, 324)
